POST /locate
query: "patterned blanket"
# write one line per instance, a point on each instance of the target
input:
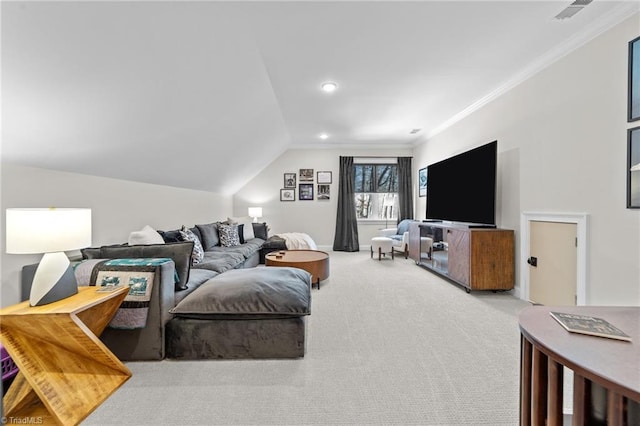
(138, 274)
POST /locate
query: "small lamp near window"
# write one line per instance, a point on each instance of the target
(255, 213)
(51, 231)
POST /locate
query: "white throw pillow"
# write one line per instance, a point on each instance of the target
(147, 235)
(247, 232)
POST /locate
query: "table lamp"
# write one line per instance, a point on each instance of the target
(255, 213)
(51, 231)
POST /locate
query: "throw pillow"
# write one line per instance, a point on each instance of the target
(198, 251)
(248, 227)
(228, 235)
(261, 231)
(172, 236)
(147, 235)
(209, 233)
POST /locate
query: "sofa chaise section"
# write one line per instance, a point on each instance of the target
(249, 313)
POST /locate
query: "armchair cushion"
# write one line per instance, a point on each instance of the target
(403, 226)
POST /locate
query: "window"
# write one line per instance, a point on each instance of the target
(376, 191)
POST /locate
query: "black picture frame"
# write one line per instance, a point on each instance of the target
(634, 81)
(305, 191)
(633, 168)
(289, 180)
(422, 182)
(287, 194)
(324, 192)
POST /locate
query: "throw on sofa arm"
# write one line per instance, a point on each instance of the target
(146, 343)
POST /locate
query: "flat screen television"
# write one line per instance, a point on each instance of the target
(462, 188)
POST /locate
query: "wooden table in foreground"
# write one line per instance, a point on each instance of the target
(546, 347)
(66, 372)
(313, 261)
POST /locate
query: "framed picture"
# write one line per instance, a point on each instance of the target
(324, 192)
(422, 182)
(324, 177)
(306, 175)
(289, 180)
(287, 195)
(634, 80)
(633, 168)
(305, 191)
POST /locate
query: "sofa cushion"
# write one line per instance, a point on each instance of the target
(246, 250)
(250, 293)
(228, 235)
(179, 252)
(220, 261)
(147, 235)
(209, 233)
(198, 251)
(197, 277)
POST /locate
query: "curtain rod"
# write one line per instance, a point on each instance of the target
(379, 156)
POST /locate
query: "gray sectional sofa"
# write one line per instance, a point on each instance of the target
(221, 307)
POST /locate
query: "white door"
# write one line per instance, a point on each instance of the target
(552, 263)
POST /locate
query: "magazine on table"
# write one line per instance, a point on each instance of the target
(592, 326)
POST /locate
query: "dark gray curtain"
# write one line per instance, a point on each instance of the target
(346, 238)
(405, 189)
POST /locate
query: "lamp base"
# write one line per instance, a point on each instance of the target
(54, 280)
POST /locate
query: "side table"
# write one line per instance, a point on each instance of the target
(66, 372)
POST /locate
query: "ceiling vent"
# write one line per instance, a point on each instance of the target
(572, 9)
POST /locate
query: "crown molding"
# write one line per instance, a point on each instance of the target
(604, 23)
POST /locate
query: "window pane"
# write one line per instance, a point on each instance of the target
(368, 181)
(363, 206)
(377, 206)
(383, 176)
(357, 182)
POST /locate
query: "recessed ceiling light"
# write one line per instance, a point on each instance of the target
(324, 136)
(329, 86)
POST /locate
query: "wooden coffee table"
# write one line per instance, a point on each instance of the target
(313, 261)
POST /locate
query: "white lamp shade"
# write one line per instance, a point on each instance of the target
(255, 211)
(47, 230)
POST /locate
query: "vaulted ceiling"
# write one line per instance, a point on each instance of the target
(204, 95)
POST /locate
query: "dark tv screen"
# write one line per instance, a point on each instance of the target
(462, 188)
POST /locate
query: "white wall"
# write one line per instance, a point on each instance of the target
(562, 148)
(118, 207)
(316, 218)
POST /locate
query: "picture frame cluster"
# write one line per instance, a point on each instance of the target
(308, 190)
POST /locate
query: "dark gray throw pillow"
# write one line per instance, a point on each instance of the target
(172, 236)
(180, 253)
(260, 230)
(250, 293)
(209, 235)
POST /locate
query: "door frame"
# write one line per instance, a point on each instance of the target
(581, 220)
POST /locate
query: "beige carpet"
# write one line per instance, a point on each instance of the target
(388, 343)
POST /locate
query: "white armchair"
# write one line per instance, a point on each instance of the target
(399, 236)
